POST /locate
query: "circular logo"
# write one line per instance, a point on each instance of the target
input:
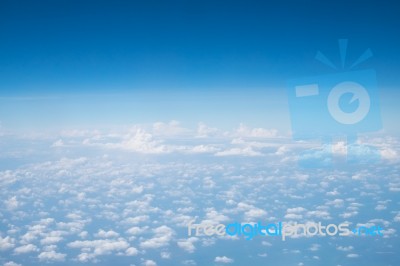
(359, 93)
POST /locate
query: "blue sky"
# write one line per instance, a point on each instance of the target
(68, 63)
(122, 121)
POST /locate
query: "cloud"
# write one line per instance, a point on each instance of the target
(51, 256)
(352, 255)
(295, 213)
(106, 234)
(6, 243)
(85, 257)
(223, 259)
(244, 131)
(389, 154)
(162, 237)
(136, 140)
(315, 247)
(58, 143)
(25, 249)
(135, 230)
(101, 247)
(149, 263)
(204, 131)
(397, 218)
(12, 203)
(140, 141)
(188, 244)
(11, 263)
(251, 213)
(203, 149)
(345, 248)
(131, 251)
(171, 128)
(247, 151)
(165, 255)
(321, 214)
(146, 202)
(52, 238)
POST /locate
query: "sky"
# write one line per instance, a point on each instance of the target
(93, 63)
(123, 121)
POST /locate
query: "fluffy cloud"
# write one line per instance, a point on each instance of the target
(146, 201)
(140, 141)
(12, 203)
(25, 249)
(244, 131)
(11, 263)
(172, 128)
(106, 234)
(188, 244)
(149, 263)
(6, 243)
(131, 251)
(204, 131)
(223, 259)
(162, 237)
(51, 256)
(246, 151)
(101, 247)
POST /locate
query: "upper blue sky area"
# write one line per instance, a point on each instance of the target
(69, 63)
(63, 47)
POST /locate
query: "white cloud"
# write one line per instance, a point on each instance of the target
(25, 249)
(389, 153)
(131, 251)
(162, 237)
(52, 238)
(106, 234)
(165, 255)
(189, 262)
(101, 247)
(319, 214)
(136, 140)
(6, 243)
(188, 244)
(251, 212)
(214, 217)
(352, 255)
(172, 128)
(293, 216)
(11, 263)
(203, 131)
(203, 149)
(380, 207)
(223, 259)
(315, 247)
(339, 148)
(12, 203)
(246, 151)
(149, 263)
(295, 213)
(141, 141)
(58, 143)
(345, 248)
(337, 203)
(244, 131)
(51, 256)
(134, 230)
(85, 257)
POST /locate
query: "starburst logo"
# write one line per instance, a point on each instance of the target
(344, 103)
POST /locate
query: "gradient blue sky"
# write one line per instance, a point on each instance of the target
(90, 63)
